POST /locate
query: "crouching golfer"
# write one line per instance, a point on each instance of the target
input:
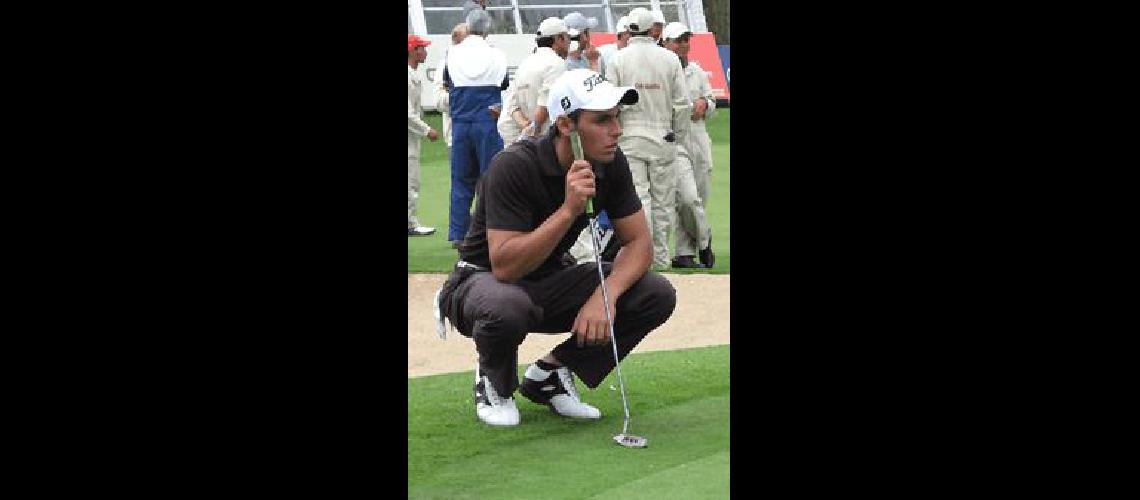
(510, 279)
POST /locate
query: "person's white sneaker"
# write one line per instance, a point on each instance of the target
(420, 231)
(556, 389)
(490, 407)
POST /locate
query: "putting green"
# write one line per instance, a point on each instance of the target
(704, 478)
(679, 401)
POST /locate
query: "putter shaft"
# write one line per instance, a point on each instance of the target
(576, 145)
(609, 319)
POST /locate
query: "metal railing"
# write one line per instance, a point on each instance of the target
(417, 12)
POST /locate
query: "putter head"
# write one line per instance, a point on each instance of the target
(631, 441)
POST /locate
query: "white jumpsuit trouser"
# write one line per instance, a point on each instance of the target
(417, 129)
(413, 179)
(655, 180)
(699, 146)
(693, 230)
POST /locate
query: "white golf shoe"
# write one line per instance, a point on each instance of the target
(490, 407)
(556, 389)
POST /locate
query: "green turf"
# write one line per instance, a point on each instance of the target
(692, 478)
(678, 400)
(432, 254)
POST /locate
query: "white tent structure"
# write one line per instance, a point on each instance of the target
(515, 22)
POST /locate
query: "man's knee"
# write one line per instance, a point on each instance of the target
(508, 312)
(656, 296)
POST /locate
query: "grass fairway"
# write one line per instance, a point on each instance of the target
(432, 254)
(679, 401)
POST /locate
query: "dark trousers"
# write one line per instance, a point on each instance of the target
(498, 316)
(472, 147)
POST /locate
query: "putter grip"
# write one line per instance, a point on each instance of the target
(576, 144)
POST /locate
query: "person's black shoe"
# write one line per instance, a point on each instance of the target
(707, 257)
(558, 392)
(686, 262)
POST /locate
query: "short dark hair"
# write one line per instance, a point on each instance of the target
(546, 41)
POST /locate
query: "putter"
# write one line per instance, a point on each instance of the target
(624, 439)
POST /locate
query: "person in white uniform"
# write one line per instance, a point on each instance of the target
(582, 54)
(694, 159)
(651, 127)
(511, 121)
(417, 129)
(608, 50)
(533, 79)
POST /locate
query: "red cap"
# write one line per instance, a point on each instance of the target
(415, 41)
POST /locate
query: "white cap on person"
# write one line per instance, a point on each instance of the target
(658, 16)
(551, 26)
(674, 30)
(623, 24)
(576, 21)
(640, 20)
(585, 89)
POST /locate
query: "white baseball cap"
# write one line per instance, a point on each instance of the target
(640, 19)
(674, 30)
(551, 26)
(576, 21)
(585, 89)
(623, 24)
(658, 16)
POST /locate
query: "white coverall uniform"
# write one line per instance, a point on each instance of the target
(532, 84)
(442, 102)
(508, 128)
(663, 107)
(606, 56)
(417, 129)
(694, 169)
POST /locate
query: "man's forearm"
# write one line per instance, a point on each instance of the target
(417, 126)
(518, 256)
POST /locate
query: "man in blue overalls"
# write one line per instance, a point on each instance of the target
(476, 74)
